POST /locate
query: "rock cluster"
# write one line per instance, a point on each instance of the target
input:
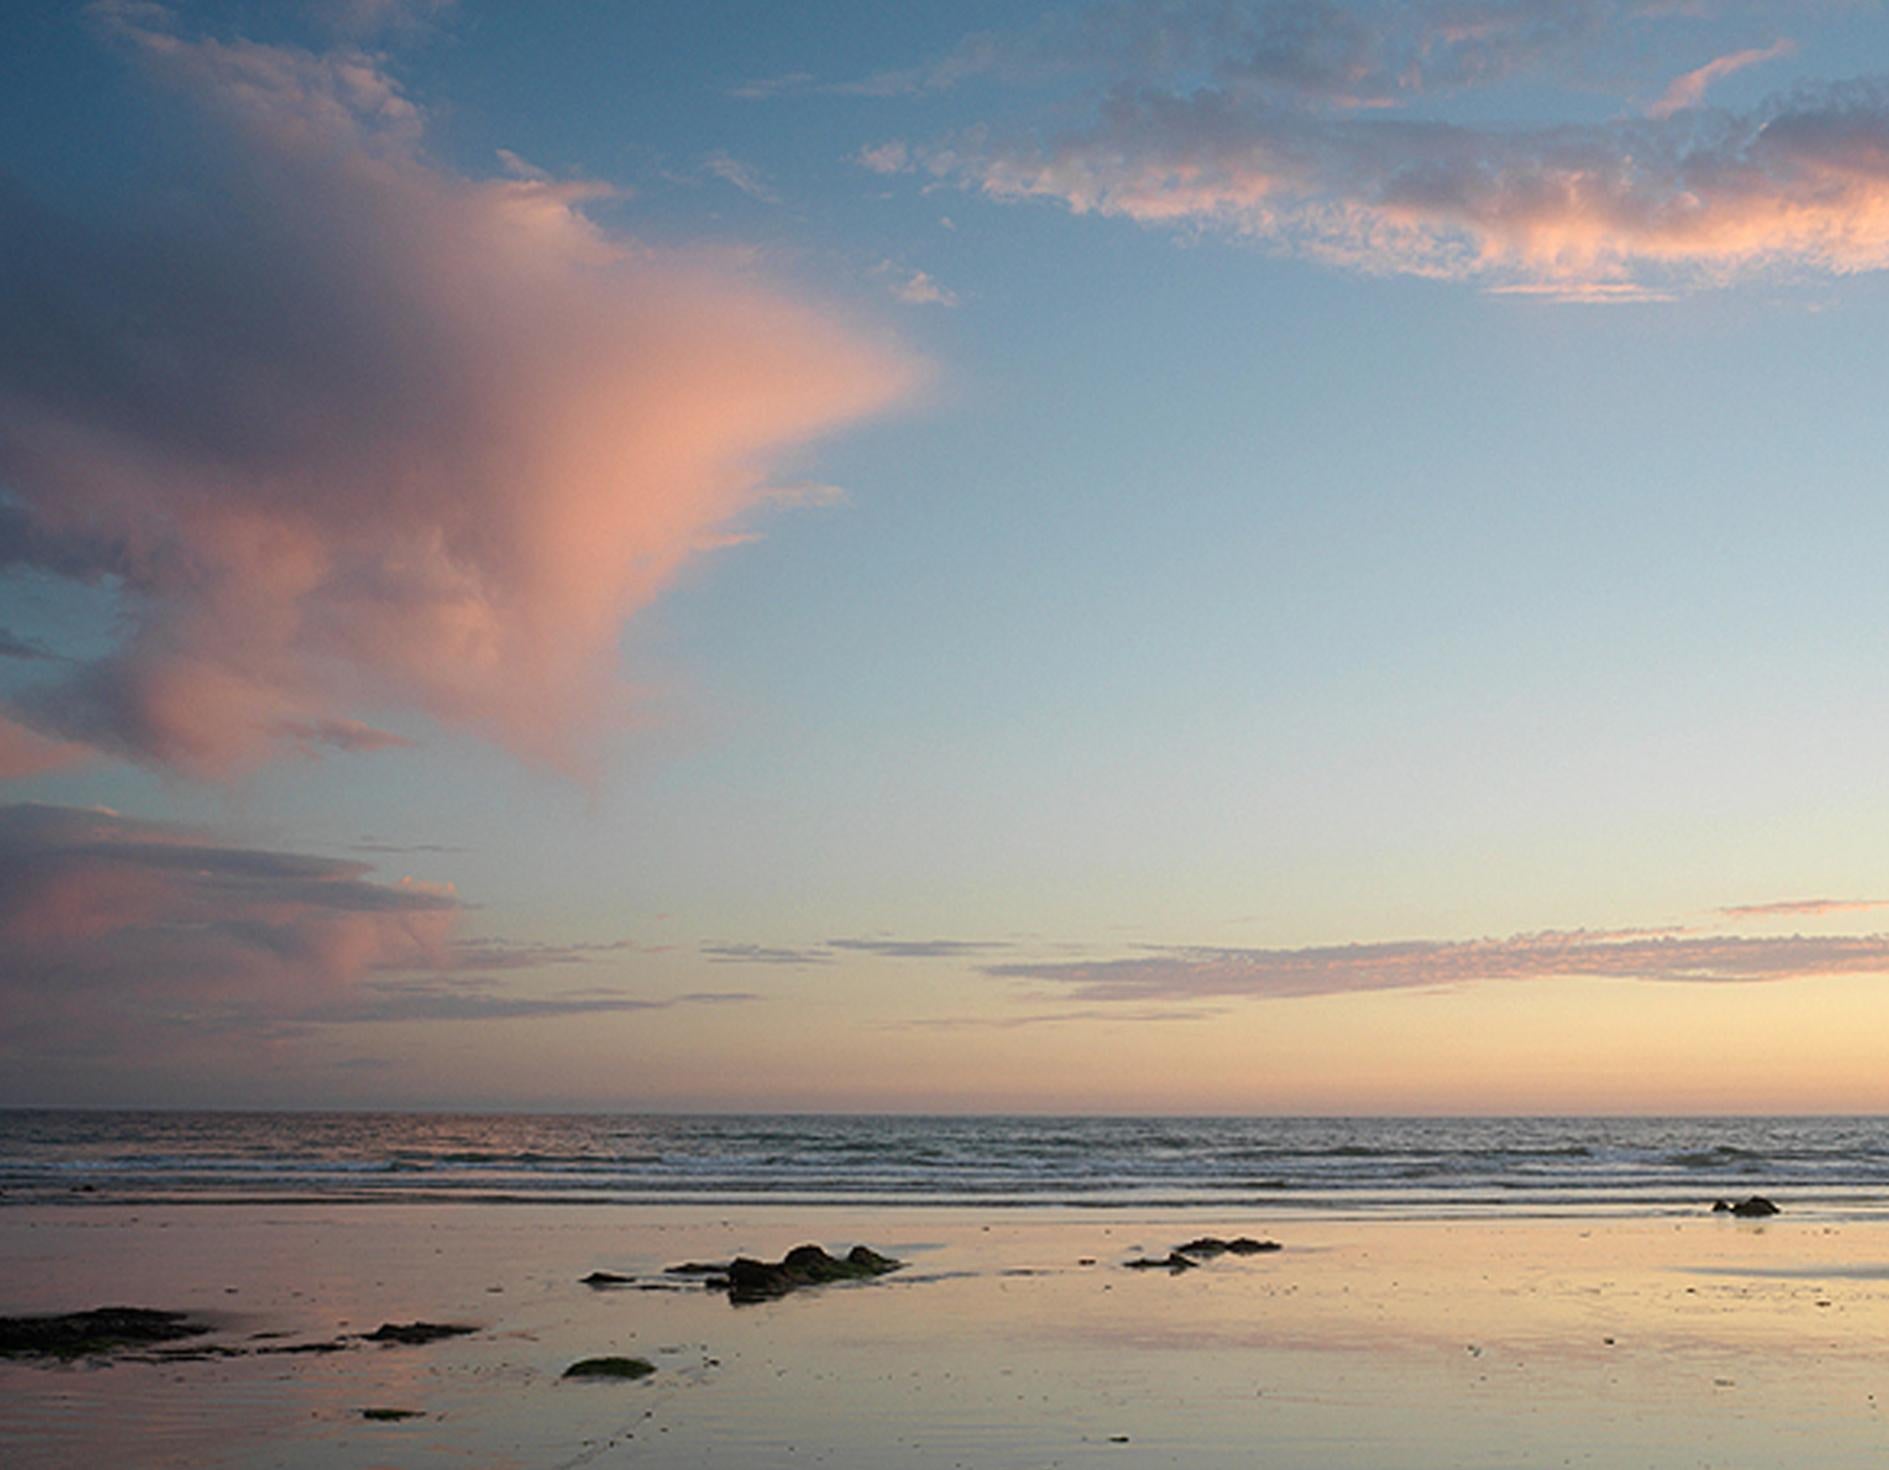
(748, 1280)
(88, 1334)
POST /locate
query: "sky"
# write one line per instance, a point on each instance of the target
(1189, 556)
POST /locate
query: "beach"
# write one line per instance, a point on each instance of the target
(1682, 1340)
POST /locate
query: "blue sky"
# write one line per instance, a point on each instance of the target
(1219, 523)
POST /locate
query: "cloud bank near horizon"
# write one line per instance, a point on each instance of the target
(1324, 130)
(1196, 972)
(343, 430)
(128, 937)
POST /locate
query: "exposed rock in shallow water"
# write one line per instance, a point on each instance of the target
(626, 1368)
(607, 1278)
(1755, 1208)
(748, 1280)
(391, 1416)
(1209, 1246)
(414, 1334)
(1174, 1264)
(88, 1334)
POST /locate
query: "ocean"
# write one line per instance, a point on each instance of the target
(1376, 1166)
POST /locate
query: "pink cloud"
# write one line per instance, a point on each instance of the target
(1584, 211)
(109, 925)
(1796, 907)
(384, 436)
(1689, 90)
(147, 944)
(25, 752)
(1250, 123)
(1196, 972)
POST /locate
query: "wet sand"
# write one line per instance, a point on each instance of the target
(1613, 1342)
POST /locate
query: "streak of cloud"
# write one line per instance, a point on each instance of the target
(1179, 973)
(920, 949)
(1802, 907)
(765, 954)
(1689, 91)
(743, 176)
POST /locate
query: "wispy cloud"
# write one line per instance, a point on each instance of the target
(1177, 973)
(743, 176)
(722, 953)
(1584, 211)
(805, 495)
(764, 87)
(914, 287)
(1112, 1015)
(461, 1000)
(1339, 53)
(885, 158)
(1802, 907)
(921, 949)
(1292, 125)
(1689, 90)
(878, 945)
(387, 436)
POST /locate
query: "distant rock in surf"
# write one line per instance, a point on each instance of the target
(1755, 1208)
(1209, 1246)
(607, 1278)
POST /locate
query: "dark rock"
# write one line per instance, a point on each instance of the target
(1755, 1208)
(333, 1345)
(608, 1278)
(87, 1334)
(415, 1334)
(748, 1280)
(629, 1368)
(1209, 1246)
(1174, 1264)
(391, 1416)
(1721, 1207)
(192, 1353)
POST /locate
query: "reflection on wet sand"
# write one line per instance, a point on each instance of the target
(1020, 1341)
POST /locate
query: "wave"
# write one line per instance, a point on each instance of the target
(1095, 1163)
